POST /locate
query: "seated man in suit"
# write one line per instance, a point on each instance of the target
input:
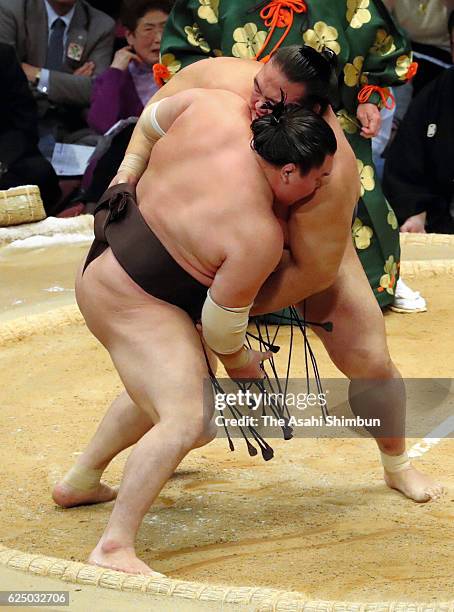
(21, 162)
(62, 44)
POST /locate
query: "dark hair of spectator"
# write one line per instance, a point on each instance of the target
(293, 134)
(110, 7)
(451, 25)
(133, 10)
(317, 71)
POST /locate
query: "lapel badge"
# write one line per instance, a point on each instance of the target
(75, 51)
(431, 130)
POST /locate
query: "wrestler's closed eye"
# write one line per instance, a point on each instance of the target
(259, 91)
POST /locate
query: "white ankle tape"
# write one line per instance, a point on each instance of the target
(82, 478)
(395, 463)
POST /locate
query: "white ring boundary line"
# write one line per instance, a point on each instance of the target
(432, 439)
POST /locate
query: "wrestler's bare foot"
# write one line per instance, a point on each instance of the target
(67, 497)
(414, 484)
(122, 559)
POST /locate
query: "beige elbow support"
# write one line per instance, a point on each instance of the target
(149, 133)
(224, 329)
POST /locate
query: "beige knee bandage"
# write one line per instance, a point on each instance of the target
(395, 463)
(82, 478)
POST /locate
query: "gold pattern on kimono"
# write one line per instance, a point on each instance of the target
(389, 279)
(403, 63)
(366, 175)
(362, 234)
(171, 62)
(352, 72)
(347, 122)
(248, 41)
(195, 38)
(321, 36)
(384, 43)
(209, 10)
(358, 13)
(391, 218)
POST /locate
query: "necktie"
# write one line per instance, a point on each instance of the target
(54, 59)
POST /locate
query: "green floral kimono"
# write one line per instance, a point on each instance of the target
(371, 51)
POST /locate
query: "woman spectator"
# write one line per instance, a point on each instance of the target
(125, 87)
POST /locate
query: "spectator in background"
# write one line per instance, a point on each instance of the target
(419, 168)
(113, 9)
(425, 22)
(381, 140)
(62, 44)
(122, 90)
(21, 162)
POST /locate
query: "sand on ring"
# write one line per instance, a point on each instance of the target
(315, 528)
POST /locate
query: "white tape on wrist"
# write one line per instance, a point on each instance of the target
(153, 119)
(224, 329)
(149, 124)
(136, 163)
(132, 164)
(395, 463)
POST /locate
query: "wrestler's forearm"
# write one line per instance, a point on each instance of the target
(139, 145)
(289, 285)
(136, 157)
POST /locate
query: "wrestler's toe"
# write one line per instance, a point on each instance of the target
(120, 559)
(435, 492)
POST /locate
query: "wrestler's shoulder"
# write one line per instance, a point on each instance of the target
(265, 239)
(259, 228)
(218, 99)
(221, 63)
(219, 69)
(260, 249)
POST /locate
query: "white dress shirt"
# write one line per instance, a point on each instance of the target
(52, 16)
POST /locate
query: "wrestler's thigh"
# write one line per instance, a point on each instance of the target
(159, 356)
(358, 334)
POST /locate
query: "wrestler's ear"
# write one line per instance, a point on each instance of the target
(287, 173)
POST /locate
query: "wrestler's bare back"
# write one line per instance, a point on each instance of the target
(204, 195)
(204, 190)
